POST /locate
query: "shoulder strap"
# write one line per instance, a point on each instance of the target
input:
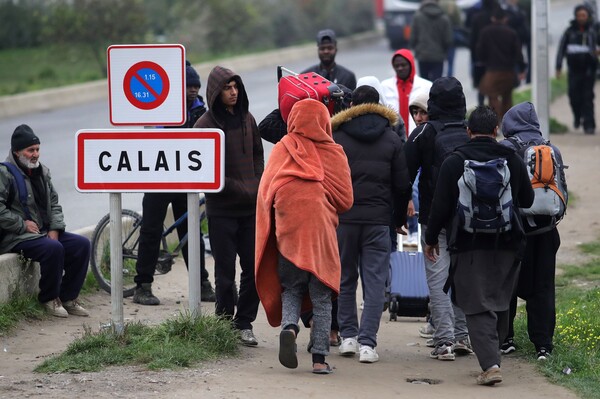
(19, 186)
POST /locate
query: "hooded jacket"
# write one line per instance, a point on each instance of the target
(305, 186)
(12, 215)
(380, 180)
(579, 46)
(446, 107)
(244, 157)
(397, 91)
(521, 123)
(431, 33)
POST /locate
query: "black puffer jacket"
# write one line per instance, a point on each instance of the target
(579, 46)
(447, 108)
(379, 174)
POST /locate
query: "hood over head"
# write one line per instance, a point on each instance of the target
(406, 53)
(310, 118)
(374, 83)
(419, 99)
(446, 100)
(218, 77)
(521, 118)
(365, 122)
(432, 9)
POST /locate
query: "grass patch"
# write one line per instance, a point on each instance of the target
(180, 342)
(13, 312)
(575, 360)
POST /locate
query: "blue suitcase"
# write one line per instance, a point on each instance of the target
(408, 290)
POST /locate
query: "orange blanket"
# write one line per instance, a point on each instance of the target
(305, 185)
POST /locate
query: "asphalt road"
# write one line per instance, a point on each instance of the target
(57, 128)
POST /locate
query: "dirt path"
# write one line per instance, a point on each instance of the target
(257, 373)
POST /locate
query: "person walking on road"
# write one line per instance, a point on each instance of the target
(232, 212)
(327, 67)
(579, 44)
(485, 266)
(32, 224)
(521, 129)
(397, 89)
(381, 186)
(426, 148)
(305, 186)
(430, 38)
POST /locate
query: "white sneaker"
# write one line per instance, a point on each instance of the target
(74, 307)
(349, 346)
(55, 308)
(368, 354)
(426, 331)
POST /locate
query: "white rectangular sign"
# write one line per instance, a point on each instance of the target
(146, 84)
(150, 160)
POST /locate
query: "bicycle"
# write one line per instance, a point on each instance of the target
(131, 222)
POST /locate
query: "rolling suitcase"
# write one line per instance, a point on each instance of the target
(408, 290)
(295, 87)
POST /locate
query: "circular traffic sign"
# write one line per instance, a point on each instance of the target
(146, 85)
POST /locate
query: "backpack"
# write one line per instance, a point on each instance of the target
(18, 186)
(485, 202)
(448, 136)
(547, 179)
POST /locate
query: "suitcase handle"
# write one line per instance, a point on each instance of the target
(281, 70)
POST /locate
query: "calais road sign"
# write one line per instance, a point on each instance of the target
(150, 160)
(146, 84)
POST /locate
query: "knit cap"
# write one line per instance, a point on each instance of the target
(23, 137)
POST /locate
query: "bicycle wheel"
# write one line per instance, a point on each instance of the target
(100, 257)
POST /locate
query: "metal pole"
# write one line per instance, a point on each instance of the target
(116, 263)
(194, 252)
(541, 77)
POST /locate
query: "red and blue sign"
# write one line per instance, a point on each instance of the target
(146, 85)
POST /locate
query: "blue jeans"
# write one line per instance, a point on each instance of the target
(414, 220)
(70, 254)
(449, 320)
(364, 250)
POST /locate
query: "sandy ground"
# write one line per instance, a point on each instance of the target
(258, 374)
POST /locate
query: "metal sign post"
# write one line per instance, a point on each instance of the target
(116, 263)
(541, 77)
(194, 253)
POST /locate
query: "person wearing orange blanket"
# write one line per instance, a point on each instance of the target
(305, 185)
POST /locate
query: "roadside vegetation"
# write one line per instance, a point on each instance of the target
(54, 43)
(181, 342)
(575, 361)
(558, 87)
(11, 313)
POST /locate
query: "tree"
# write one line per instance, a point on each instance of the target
(96, 24)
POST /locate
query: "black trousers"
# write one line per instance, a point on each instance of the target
(63, 264)
(229, 237)
(581, 95)
(536, 287)
(154, 206)
(486, 331)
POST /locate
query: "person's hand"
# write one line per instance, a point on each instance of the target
(53, 235)
(32, 227)
(410, 210)
(558, 73)
(432, 252)
(521, 76)
(400, 230)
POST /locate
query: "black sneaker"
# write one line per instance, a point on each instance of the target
(207, 294)
(543, 354)
(508, 346)
(143, 295)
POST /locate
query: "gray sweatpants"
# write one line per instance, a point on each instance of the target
(448, 319)
(295, 282)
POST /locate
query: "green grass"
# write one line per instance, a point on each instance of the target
(575, 360)
(180, 342)
(11, 313)
(23, 70)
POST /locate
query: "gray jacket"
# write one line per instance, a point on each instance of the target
(12, 214)
(431, 33)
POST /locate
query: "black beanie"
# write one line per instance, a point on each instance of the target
(581, 7)
(191, 76)
(23, 137)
